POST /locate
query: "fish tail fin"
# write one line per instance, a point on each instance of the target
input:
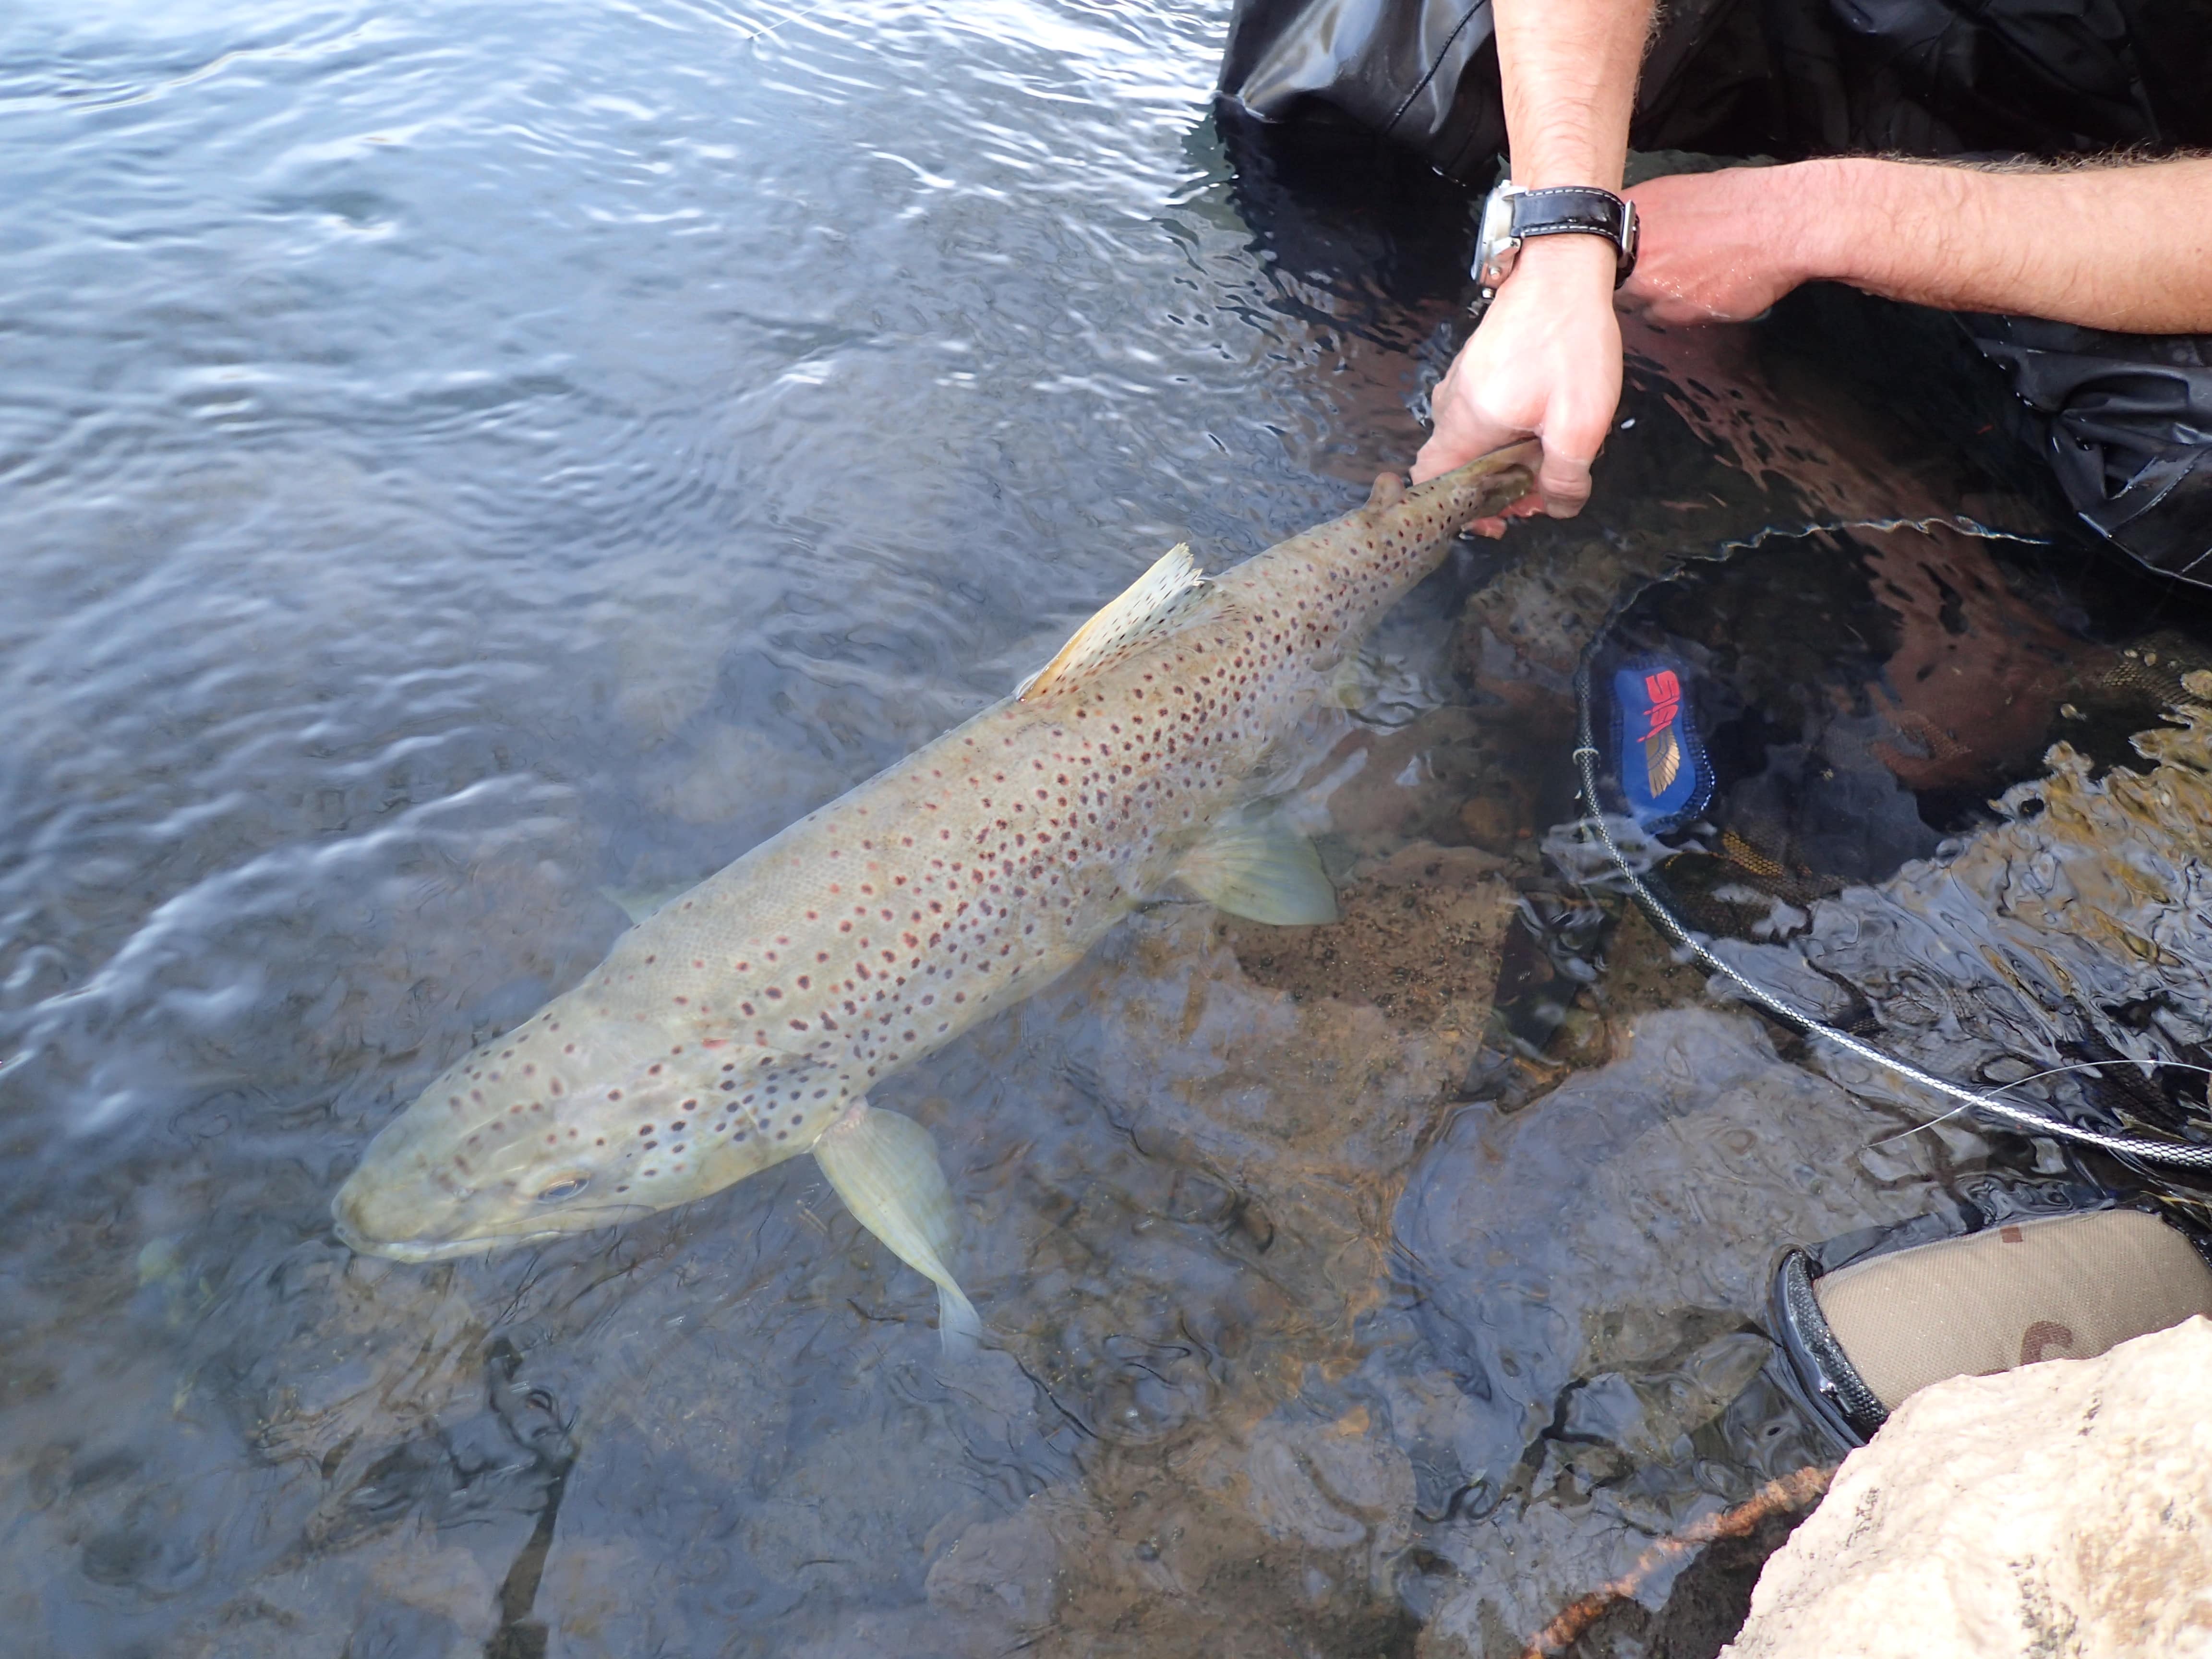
(884, 1167)
(959, 1327)
(1488, 483)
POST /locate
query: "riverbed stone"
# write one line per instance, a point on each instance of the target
(1593, 1270)
(2059, 1509)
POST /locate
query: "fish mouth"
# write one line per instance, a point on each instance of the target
(424, 1249)
(417, 1250)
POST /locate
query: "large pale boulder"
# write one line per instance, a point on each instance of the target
(2060, 1509)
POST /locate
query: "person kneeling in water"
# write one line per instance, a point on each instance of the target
(2082, 262)
(2029, 172)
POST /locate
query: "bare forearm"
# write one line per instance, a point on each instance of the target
(1546, 357)
(1568, 69)
(2124, 247)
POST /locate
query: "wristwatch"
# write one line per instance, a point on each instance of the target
(1512, 214)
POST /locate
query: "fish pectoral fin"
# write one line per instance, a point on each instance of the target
(1262, 870)
(1352, 682)
(884, 1167)
(1154, 601)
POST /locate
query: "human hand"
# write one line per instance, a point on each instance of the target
(1545, 360)
(1719, 248)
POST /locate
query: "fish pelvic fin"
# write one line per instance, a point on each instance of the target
(1153, 603)
(1262, 870)
(884, 1167)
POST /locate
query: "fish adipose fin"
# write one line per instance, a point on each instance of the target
(1154, 601)
(884, 1167)
(1262, 870)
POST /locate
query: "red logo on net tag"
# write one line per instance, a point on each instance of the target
(1666, 694)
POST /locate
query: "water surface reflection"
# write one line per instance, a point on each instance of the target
(468, 466)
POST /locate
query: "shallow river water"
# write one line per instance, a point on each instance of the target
(467, 468)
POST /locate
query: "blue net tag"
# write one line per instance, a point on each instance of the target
(1664, 772)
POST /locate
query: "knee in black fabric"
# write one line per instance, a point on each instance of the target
(1423, 75)
(2125, 422)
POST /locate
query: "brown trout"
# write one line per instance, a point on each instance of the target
(745, 1021)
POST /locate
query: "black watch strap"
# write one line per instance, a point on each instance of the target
(1578, 210)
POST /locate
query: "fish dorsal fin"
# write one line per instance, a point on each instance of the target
(1153, 602)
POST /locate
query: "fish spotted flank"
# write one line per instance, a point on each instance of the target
(745, 1021)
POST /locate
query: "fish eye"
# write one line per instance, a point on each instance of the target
(567, 1186)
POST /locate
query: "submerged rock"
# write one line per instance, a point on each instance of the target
(2061, 1509)
(1591, 1273)
(2063, 948)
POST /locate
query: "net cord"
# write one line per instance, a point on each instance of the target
(2176, 1154)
